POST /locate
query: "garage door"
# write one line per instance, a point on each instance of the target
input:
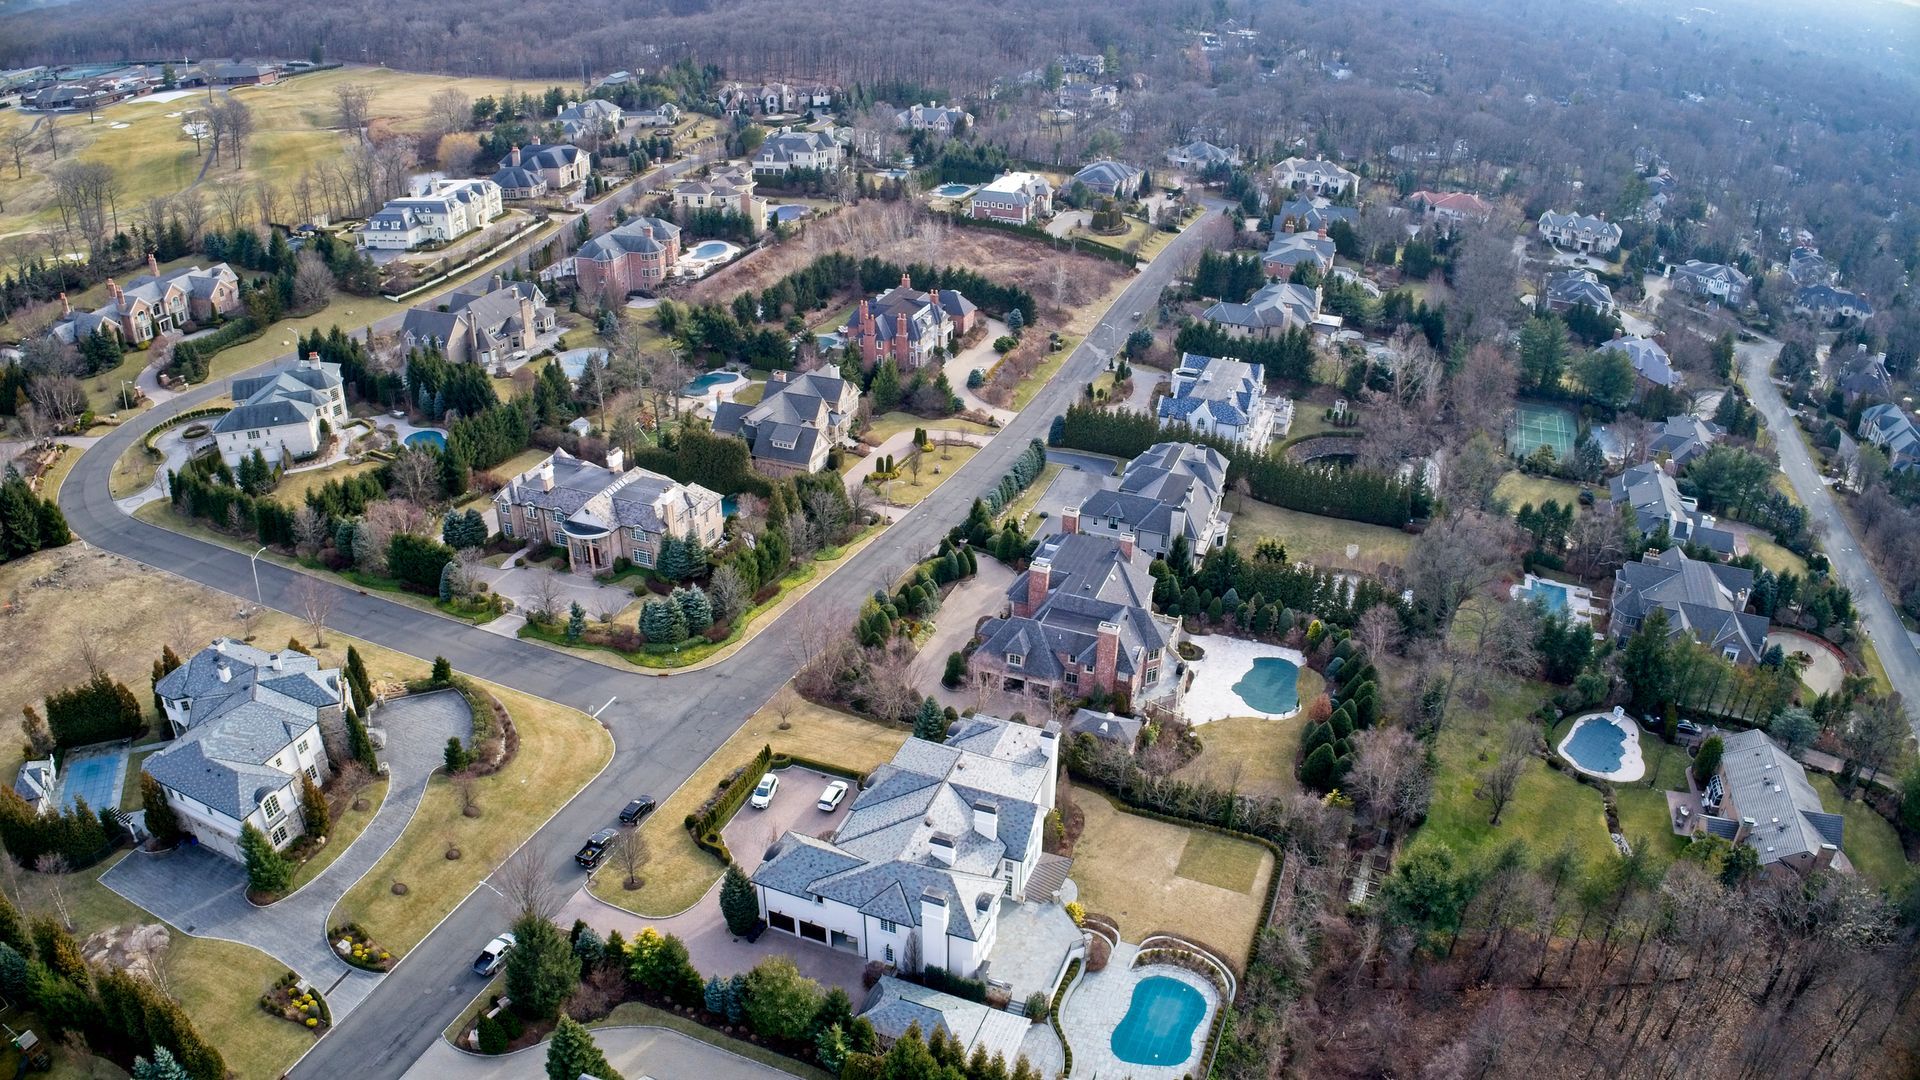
(779, 921)
(813, 932)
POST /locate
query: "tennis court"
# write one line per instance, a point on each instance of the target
(94, 774)
(1535, 425)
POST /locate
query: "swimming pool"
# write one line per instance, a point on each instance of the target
(574, 361)
(94, 777)
(952, 191)
(428, 438)
(710, 380)
(709, 249)
(1160, 1022)
(786, 212)
(1271, 685)
(1547, 594)
(1606, 745)
(729, 505)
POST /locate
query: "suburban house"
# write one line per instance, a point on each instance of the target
(934, 842)
(1893, 431)
(1200, 155)
(592, 118)
(1806, 266)
(939, 119)
(1760, 797)
(1291, 249)
(1682, 438)
(37, 782)
(1318, 176)
(1110, 178)
(636, 257)
(481, 324)
(1121, 731)
(283, 414)
(727, 188)
(1706, 600)
(604, 513)
(1170, 490)
(1826, 302)
(1311, 215)
(1080, 621)
(1861, 374)
(665, 114)
(1275, 309)
(1580, 232)
(907, 324)
(155, 303)
(790, 149)
(248, 725)
(1447, 210)
(1221, 397)
(1019, 197)
(528, 172)
(1650, 361)
(894, 1006)
(1578, 288)
(802, 416)
(445, 210)
(1086, 95)
(1711, 281)
(1656, 501)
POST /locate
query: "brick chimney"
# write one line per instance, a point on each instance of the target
(1823, 858)
(153, 264)
(906, 282)
(113, 290)
(513, 156)
(313, 360)
(1070, 520)
(1106, 656)
(1125, 540)
(1039, 577)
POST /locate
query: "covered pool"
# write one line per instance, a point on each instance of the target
(1238, 677)
(1271, 685)
(1606, 745)
(574, 361)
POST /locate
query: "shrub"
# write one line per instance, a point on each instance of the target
(1036, 1006)
(493, 1037)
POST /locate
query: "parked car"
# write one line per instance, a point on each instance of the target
(633, 812)
(763, 794)
(595, 848)
(493, 956)
(830, 798)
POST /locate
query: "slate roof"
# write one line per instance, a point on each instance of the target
(1292, 249)
(1683, 438)
(1227, 390)
(518, 178)
(1656, 500)
(1826, 299)
(1277, 306)
(1701, 275)
(1311, 214)
(1165, 478)
(542, 156)
(1700, 598)
(641, 235)
(35, 782)
(1891, 429)
(1107, 175)
(1580, 223)
(1203, 153)
(788, 146)
(594, 498)
(896, 1005)
(1764, 783)
(193, 281)
(790, 420)
(1579, 287)
(1089, 582)
(1123, 730)
(288, 396)
(1806, 266)
(1650, 361)
(1319, 167)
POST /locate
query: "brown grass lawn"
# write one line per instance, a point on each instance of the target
(1319, 540)
(293, 487)
(1518, 488)
(1153, 876)
(1248, 754)
(347, 827)
(935, 468)
(678, 873)
(560, 750)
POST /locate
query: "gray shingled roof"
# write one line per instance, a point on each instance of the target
(1764, 783)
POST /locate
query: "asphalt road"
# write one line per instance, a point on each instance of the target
(663, 727)
(1842, 548)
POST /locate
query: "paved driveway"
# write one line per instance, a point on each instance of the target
(1071, 486)
(204, 894)
(520, 584)
(969, 602)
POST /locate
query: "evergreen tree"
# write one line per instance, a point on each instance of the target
(442, 670)
(359, 743)
(576, 623)
(885, 390)
(1706, 761)
(313, 808)
(268, 871)
(930, 723)
(456, 757)
(739, 903)
(573, 1054)
(162, 822)
(161, 1066)
(662, 622)
(695, 608)
(542, 971)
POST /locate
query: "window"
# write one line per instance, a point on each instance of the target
(889, 954)
(272, 806)
(1730, 653)
(1073, 678)
(1014, 659)
(506, 527)
(643, 556)
(313, 773)
(279, 836)
(302, 747)
(253, 435)
(889, 926)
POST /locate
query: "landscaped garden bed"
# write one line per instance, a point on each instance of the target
(296, 1003)
(353, 945)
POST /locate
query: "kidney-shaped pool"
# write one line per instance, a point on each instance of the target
(1160, 1022)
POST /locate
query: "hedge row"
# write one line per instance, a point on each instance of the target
(1053, 1016)
(705, 825)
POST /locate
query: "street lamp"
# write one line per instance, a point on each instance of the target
(126, 399)
(254, 560)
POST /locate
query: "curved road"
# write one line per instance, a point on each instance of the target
(663, 728)
(1842, 548)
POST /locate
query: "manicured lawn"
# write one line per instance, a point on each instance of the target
(293, 487)
(677, 872)
(1518, 488)
(1549, 809)
(347, 828)
(560, 750)
(1871, 844)
(637, 1013)
(1026, 388)
(134, 471)
(886, 425)
(1643, 808)
(750, 394)
(1248, 754)
(1135, 870)
(1311, 538)
(935, 468)
(1773, 556)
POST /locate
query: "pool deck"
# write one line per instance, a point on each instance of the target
(1227, 661)
(1098, 1002)
(1633, 765)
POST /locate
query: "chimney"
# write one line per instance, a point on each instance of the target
(499, 282)
(66, 306)
(933, 930)
(1125, 540)
(153, 264)
(225, 672)
(941, 847)
(113, 289)
(219, 645)
(546, 475)
(986, 819)
(1745, 830)
(906, 282)
(1106, 656)
(1824, 857)
(279, 663)
(616, 461)
(513, 156)
(1070, 520)
(313, 361)
(1039, 576)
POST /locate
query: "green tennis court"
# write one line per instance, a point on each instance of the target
(1535, 425)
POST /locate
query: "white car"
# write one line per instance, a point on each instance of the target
(763, 795)
(494, 955)
(830, 798)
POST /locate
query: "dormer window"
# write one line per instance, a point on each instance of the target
(1015, 659)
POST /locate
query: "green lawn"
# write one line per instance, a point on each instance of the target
(293, 487)
(887, 425)
(1773, 556)
(1221, 861)
(1643, 808)
(750, 394)
(1322, 541)
(1871, 844)
(935, 468)
(347, 827)
(1518, 488)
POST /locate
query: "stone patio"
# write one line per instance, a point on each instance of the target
(1032, 947)
(1096, 1004)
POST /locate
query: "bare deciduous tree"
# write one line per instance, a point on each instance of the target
(416, 476)
(316, 600)
(449, 110)
(630, 854)
(1501, 779)
(1379, 630)
(60, 398)
(351, 102)
(526, 882)
(53, 869)
(312, 283)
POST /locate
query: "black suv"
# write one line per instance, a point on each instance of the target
(633, 812)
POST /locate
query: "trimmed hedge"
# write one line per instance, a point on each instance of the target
(705, 825)
(1053, 1015)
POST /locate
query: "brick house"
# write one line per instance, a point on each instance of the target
(154, 303)
(636, 257)
(603, 513)
(908, 324)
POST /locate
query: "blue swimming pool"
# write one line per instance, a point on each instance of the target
(1159, 1026)
(428, 438)
(92, 777)
(1549, 595)
(1271, 685)
(709, 249)
(729, 506)
(786, 212)
(710, 380)
(952, 191)
(1596, 744)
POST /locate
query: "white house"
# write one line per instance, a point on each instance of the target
(914, 875)
(940, 119)
(445, 210)
(1580, 232)
(590, 118)
(247, 727)
(1318, 176)
(790, 149)
(1219, 396)
(280, 414)
(1019, 197)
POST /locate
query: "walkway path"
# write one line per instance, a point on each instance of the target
(632, 1051)
(979, 357)
(900, 443)
(205, 894)
(1850, 564)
